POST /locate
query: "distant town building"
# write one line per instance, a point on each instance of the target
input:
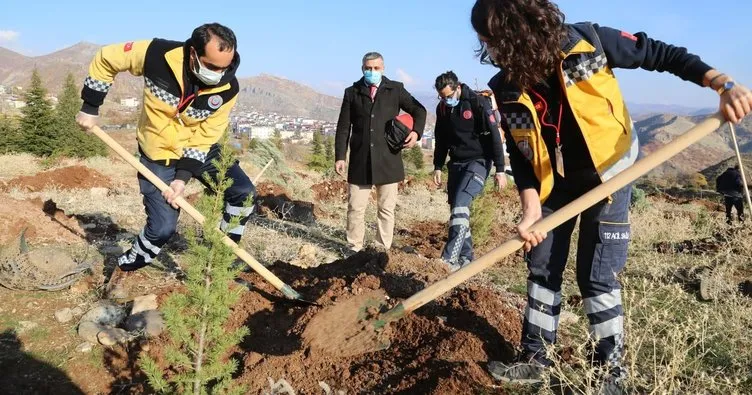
(18, 104)
(306, 136)
(3, 90)
(262, 132)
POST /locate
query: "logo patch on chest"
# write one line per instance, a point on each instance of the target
(215, 102)
(467, 114)
(525, 149)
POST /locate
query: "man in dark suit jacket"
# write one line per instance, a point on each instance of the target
(368, 106)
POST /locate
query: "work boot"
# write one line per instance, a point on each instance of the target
(452, 267)
(612, 385)
(525, 371)
(115, 287)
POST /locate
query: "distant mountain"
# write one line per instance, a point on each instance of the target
(274, 94)
(658, 130)
(712, 172)
(639, 110)
(265, 92)
(16, 69)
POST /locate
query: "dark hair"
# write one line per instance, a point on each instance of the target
(204, 33)
(447, 79)
(524, 38)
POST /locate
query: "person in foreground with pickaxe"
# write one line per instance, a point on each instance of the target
(568, 131)
(190, 89)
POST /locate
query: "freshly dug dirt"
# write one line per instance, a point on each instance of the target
(428, 238)
(275, 200)
(330, 191)
(73, 177)
(42, 226)
(344, 329)
(440, 349)
(707, 245)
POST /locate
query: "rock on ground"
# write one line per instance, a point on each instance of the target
(144, 303)
(88, 331)
(113, 336)
(149, 322)
(105, 313)
(64, 315)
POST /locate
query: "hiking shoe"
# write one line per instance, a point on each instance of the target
(612, 386)
(518, 372)
(348, 253)
(453, 267)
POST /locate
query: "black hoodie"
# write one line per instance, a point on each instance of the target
(467, 131)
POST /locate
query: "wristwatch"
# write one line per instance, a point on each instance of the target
(727, 86)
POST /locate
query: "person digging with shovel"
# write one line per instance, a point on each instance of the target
(568, 130)
(190, 89)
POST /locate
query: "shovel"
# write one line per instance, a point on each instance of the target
(286, 290)
(365, 335)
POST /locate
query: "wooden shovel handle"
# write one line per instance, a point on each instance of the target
(261, 173)
(567, 212)
(741, 167)
(195, 214)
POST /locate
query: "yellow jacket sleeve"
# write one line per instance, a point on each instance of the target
(108, 62)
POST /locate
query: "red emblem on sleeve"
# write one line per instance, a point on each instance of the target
(629, 36)
(128, 47)
(492, 118)
(467, 114)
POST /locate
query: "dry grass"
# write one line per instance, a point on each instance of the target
(675, 342)
(419, 204)
(15, 165)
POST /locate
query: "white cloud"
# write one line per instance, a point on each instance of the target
(8, 35)
(405, 78)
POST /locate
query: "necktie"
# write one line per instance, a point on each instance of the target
(374, 88)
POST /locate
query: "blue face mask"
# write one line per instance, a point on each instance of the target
(452, 101)
(372, 77)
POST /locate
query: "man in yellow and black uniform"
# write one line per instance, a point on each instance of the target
(565, 136)
(190, 89)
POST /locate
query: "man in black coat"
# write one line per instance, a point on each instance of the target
(730, 185)
(368, 106)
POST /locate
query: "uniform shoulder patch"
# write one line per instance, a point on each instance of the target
(128, 46)
(467, 114)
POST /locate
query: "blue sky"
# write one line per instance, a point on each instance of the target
(320, 43)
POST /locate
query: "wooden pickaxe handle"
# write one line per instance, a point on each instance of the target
(562, 215)
(195, 214)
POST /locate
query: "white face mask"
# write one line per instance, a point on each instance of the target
(208, 77)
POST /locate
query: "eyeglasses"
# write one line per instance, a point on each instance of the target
(448, 96)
